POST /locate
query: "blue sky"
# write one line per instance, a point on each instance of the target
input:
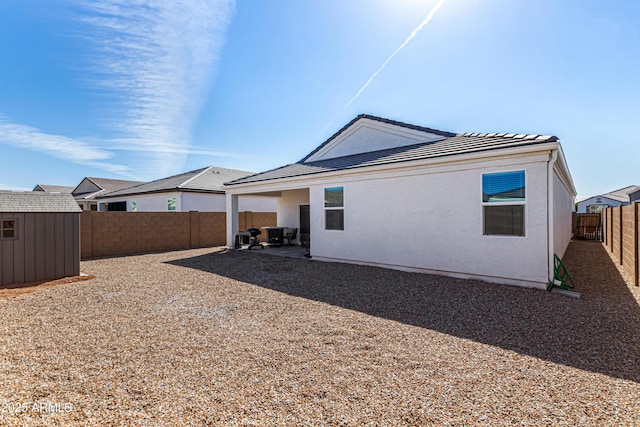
(142, 89)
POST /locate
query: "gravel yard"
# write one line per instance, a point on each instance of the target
(209, 337)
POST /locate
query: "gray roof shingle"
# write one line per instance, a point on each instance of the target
(457, 144)
(209, 180)
(622, 195)
(37, 201)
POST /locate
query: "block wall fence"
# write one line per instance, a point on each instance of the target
(621, 235)
(125, 233)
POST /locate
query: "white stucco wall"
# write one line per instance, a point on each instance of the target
(288, 212)
(147, 203)
(432, 220)
(203, 202)
(257, 204)
(563, 206)
(193, 202)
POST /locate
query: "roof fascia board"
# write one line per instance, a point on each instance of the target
(166, 190)
(303, 181)
(563, 172)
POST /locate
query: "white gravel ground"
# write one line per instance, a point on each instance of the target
(206, 337)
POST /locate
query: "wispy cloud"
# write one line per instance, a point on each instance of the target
(156, 58)
(128, 145)
(62, 147)
(413, 34)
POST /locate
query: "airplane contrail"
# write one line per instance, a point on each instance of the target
(413, 34)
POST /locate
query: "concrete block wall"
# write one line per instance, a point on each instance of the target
(122, 233)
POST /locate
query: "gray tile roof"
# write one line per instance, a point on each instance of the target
(53, 188)
(37, 201)
(106, 185)
(622, 195)
(456, 144)
(207, 180)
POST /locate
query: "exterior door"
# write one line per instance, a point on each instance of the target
(305, 222)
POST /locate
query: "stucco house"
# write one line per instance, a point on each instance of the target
(89, 188)
(495, 207)
(613, 199)
(198, 190)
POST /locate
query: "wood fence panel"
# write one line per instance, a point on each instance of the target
(622, 238)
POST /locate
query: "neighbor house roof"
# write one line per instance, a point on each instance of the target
(53, 188)
(623, 193)
(450, 145)
(104, 185)
(37, 201)
(209, 180)
(620, 195)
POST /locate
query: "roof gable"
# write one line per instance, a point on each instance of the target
(53, 188)
(90, 187)
(368, 133)
(86, 186)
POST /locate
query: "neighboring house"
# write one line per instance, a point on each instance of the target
(495, 207)
(635, 196)
(199, 190)
(53, 188)
(39, 236)
(89, 188)
(621, 197)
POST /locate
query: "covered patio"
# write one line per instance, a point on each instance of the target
(292, 213)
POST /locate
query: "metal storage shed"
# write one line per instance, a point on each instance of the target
(39, 237)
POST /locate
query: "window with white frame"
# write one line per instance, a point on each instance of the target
(503, 203)
(171, 204)
(8, 229)
(334, 208)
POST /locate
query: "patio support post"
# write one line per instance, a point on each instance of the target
(232, 219)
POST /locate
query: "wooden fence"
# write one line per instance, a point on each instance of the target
(588, 226)
(621, 232)
(123, 233)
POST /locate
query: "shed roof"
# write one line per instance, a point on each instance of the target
(205, 180)
(451, 145)
(37, 201)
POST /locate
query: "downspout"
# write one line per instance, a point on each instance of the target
(550, 237)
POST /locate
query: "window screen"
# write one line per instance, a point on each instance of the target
(504, 220)
(334, 219)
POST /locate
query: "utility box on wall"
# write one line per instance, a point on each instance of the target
(39, 237)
